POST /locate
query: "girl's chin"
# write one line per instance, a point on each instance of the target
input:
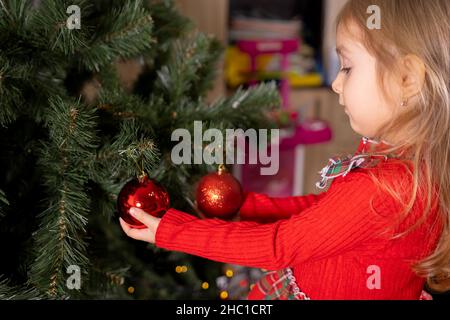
(356, 129)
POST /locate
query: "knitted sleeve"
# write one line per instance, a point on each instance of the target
(261, 208)
(338, 222)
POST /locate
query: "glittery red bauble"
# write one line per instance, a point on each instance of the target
(219, 195)
(145, 194)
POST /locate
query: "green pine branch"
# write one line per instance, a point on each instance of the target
(10, 90)
(8, 292)
(14, 16)
(60, 237)
(169, 23)
(3, 203)
(244, 109)
(185, 72)
(50, 23)
(123, 32)
(134, 149)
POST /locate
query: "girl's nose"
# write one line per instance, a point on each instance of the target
(336, 86)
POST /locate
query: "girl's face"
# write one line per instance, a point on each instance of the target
(358, 88)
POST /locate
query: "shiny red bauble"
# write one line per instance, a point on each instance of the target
(219, 195)
(145, 194)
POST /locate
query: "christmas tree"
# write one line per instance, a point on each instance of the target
(72, 134)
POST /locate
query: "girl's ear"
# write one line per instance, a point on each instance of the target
(413, 76)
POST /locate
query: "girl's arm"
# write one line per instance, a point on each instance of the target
(261, 208)
(340, 221)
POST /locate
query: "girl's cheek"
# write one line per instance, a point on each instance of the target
(352, 93)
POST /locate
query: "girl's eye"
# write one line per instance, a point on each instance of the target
(346, 70)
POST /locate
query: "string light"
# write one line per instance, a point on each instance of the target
(229, 273)
(205, 285)
(223, 295)
(130, 290)
(181, 269)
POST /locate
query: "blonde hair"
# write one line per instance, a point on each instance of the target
(420, 28)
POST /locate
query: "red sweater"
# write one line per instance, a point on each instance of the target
(333, 241)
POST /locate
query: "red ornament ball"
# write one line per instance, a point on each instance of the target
(145, 194)
(219, 195)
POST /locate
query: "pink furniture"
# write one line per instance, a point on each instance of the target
(289, 179)
(284, 48)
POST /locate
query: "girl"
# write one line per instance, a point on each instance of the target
(381, 231)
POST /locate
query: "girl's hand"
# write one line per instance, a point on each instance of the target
(147, 234)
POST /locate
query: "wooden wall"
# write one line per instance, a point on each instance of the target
(210, 17)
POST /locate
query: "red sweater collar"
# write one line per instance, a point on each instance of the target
(366, 144)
